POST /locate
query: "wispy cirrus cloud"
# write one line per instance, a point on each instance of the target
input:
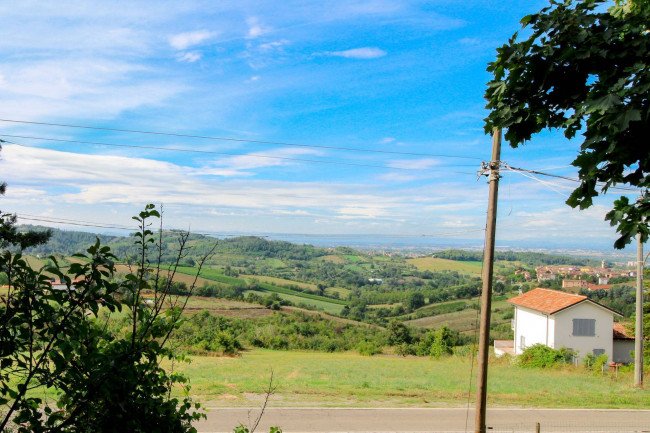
(190, 57)
(415, 164)
(255, 27)
(183, 41)
(240, 165)
(363, 53)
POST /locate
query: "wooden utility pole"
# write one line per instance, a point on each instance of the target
(638, 330)
(488, 270)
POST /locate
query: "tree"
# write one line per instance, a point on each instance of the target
(9, 234)
(415, 300)
(58, 340)
(584, 69)
(398, 333)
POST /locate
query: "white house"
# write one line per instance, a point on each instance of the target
(558, 319)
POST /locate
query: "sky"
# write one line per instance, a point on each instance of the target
(346, 117)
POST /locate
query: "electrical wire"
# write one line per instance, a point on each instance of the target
(176, 149)
(615, 188)
(238, 140)
(547, 184)
(66, 221)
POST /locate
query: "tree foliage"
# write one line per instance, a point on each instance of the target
(583, 69)
(53, 339)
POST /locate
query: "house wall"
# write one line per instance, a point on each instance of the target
(584, 344)
(622, 349)
(535, 326)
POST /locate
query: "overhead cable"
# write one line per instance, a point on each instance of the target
(176, 149)
(617, 188)
(239, 140)
(65, 221)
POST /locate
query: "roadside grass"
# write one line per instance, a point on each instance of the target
(349, 379)
(434, 264)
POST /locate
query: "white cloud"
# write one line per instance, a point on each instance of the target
(416, 164)
(237, 165)
(100, 179)
(190, 57)
(470, 41)
(359, 53)
(83, 88)
(397, 177)
(271, 46)
(183, 41)
(386, 140)
(255, 29)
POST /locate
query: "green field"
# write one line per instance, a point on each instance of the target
(464, 320)
(280, 281)
(328, 307)
(332, 306)
(434, 264)
(310, 296)
(348, 379)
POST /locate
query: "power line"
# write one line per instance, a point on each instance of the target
(175, 149)
(66, 221)
(617, 188)
(238, 140)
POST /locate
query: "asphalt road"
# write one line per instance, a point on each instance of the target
(293, 420)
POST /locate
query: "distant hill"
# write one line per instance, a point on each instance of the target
(527, 258)
(67, 242)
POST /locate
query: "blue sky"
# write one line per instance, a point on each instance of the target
(402, 77)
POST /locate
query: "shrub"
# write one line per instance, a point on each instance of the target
(594, 363)
(542, 356)
(368, 348)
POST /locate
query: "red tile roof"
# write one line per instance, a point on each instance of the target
(620, 333)
(552, 301)
(547, 300)
(600, 287)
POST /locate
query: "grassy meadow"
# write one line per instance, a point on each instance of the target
(349, 379)
(434, 264)
(463, 320)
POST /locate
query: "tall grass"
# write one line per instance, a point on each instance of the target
(348, 379)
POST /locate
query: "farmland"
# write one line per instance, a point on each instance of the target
(434, 264)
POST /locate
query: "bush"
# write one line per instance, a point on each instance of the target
(594, 363)
(438, 343)
(368, 348)
(542, 356)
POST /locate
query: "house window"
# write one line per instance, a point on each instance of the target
(522, 341)
(584, 327)
(598, 352)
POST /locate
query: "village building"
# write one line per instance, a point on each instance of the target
(559, 319)
(574, 284)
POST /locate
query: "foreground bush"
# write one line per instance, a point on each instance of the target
(53, 339)
(542, 356)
